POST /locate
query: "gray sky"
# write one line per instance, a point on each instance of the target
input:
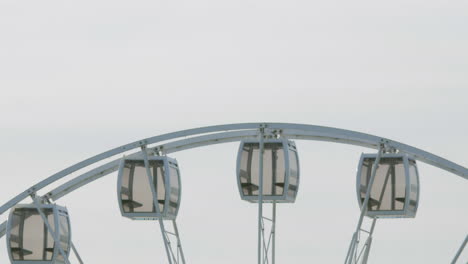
(80, 77)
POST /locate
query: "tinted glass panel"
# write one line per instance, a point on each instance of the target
(175, 189)
(64, 228)
(273, 169)
(244, 176)
(389, 189)
(135, 191)
(126, 186)
(29, 237)
(160, 184)
(293, 173)
(413, 173)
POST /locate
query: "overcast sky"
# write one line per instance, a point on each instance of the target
(80, 77)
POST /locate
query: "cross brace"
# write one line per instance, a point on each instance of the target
(356, 255)
(171, 238)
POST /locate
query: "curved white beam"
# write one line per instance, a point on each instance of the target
(179, 145)
(83, 179)
(298, 131)
(416, 153)
(207, 140)
(226, 137)
(115, 151)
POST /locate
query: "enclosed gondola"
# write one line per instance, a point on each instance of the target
(395, 190)
(135, 193)
(280, 170)
(29, 240)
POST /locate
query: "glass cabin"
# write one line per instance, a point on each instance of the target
(28, 239)
(395, 191)
(280, 170)
(134, 192)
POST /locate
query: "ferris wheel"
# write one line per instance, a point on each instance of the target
(149, 187)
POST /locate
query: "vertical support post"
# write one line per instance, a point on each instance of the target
(369, 188)
(369, 242)
(350, 249)
(47, 199)
(460, 250)
(155, 201)
(179, 244)
(273, 245)
(260, 196)
(76, 253)
(49, 228)
(2, 229)
(353, 246)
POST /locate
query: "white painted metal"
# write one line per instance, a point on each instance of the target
(369, 187)
(83, 179)
(112, 166)
(172, 258)
(268, 235)
(368, 244)
(207, 140)
(155, 201)
(179, 243)
(263, 250)
(3, 229)
(176, 256)
(54, 234)
(165, 213)
(76, 253)
(288, 147)
(260, 196)
(211, 135)
(460, 251)
(273, 234)
(89, 177)
(107, 154)
(405, 212)
(351, 256)
(291, 131)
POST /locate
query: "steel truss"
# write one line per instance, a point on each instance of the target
(459, 252)
(267, 230)
(265, 256)
(172, 238)
(357, 255)
(173, 258)
(361, 242)
(204, 136)
(37, 201)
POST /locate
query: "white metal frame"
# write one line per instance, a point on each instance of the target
(204, 136)
(267, 233)
(172, 258)
(245, 131)
(405, 213)
(354, 253)
(168, 163)
(460, 250)
(267, 236)
(55, 232)
(287, 146)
